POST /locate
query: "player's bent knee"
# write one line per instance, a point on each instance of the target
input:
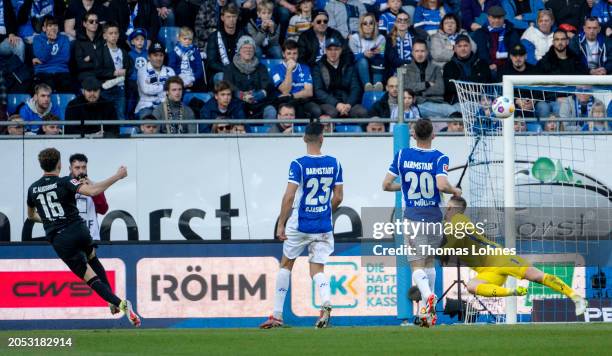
(287, 263)
(473, 285)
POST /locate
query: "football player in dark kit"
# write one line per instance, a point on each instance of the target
(51, 201)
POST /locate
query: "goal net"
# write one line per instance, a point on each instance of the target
(540, 181)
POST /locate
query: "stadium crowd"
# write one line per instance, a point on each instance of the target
(213, 59)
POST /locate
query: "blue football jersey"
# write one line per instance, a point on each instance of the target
(300, 76)
(418, 169)
(316, 177)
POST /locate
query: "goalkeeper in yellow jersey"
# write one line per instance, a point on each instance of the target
(490, 279)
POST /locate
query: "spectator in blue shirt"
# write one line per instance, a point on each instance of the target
(429, 14)
(603, 11)
(293, 81)
(140, 56)
(38, 106)
(222, 106)
(186, 61)
(521, 13)
(387, 18)
(51, 56)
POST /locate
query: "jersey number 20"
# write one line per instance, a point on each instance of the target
(423, 181)
(313, 185)
(49, 203)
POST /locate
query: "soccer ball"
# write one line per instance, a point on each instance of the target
(502, 107)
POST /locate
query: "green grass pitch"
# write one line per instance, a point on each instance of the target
(497, 340)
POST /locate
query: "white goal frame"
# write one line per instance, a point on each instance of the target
(509, 155)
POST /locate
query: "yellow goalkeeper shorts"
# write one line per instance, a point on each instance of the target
(501, 268)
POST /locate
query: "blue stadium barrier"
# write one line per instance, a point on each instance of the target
(202, 96)
(14, 100)
(348, 128)
(168, 36)
(61, 101)
(299, 128)
(370, 97)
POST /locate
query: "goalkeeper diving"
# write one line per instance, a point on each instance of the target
(490, 279)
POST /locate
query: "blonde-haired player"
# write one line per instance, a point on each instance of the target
(494, 270)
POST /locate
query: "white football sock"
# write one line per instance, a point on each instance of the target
(431, 275)
(282, 286)
(419, 277)
(322, 284)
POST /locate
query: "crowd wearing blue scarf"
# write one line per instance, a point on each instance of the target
(502, 52)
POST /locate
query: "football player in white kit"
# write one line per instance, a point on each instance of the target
(89, 207)
(314, 190)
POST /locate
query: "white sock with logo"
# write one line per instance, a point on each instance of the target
(419, 277)
(431, 275)
(322, 283)
(282, 286)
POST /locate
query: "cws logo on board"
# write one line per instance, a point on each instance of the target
(47, 289)
(206, 287)
(356, 290)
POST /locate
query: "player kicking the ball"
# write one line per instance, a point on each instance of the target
(494, 270)
(314, 190)
(423, 173)
(51, 201)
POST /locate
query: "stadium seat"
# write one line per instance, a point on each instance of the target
(270, 63)
(370, 97)
(534, 127)
(14, 100)
(168, 36)
(61, 101)
(259, 128)
(348, 128)
(190, 95)
(299, 128)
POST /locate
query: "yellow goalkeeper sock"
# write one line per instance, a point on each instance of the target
(554, 282)
(492, 290)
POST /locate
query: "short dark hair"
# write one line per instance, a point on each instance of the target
(558, 30)
(42, 86)
(48, 159)
(51, 117)
(411, 92)
(421, 41)
(50, 20)
(452, 17)
(109, 24)
(286, 105)
(174, 80)
(313, 131)
(222, 85)
(459, 200)
(423, 129)
(88, 13)
(230, 8)
(78, 157)
(290, 44)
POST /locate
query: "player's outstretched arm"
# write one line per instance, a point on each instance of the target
(33, 215)
(338, 196)
(446, 187)
(286, 205)
(99, 187)
(388, 184)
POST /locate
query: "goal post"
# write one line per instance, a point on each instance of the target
(502, 173)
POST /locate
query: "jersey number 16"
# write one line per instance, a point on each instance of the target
(49, 203)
